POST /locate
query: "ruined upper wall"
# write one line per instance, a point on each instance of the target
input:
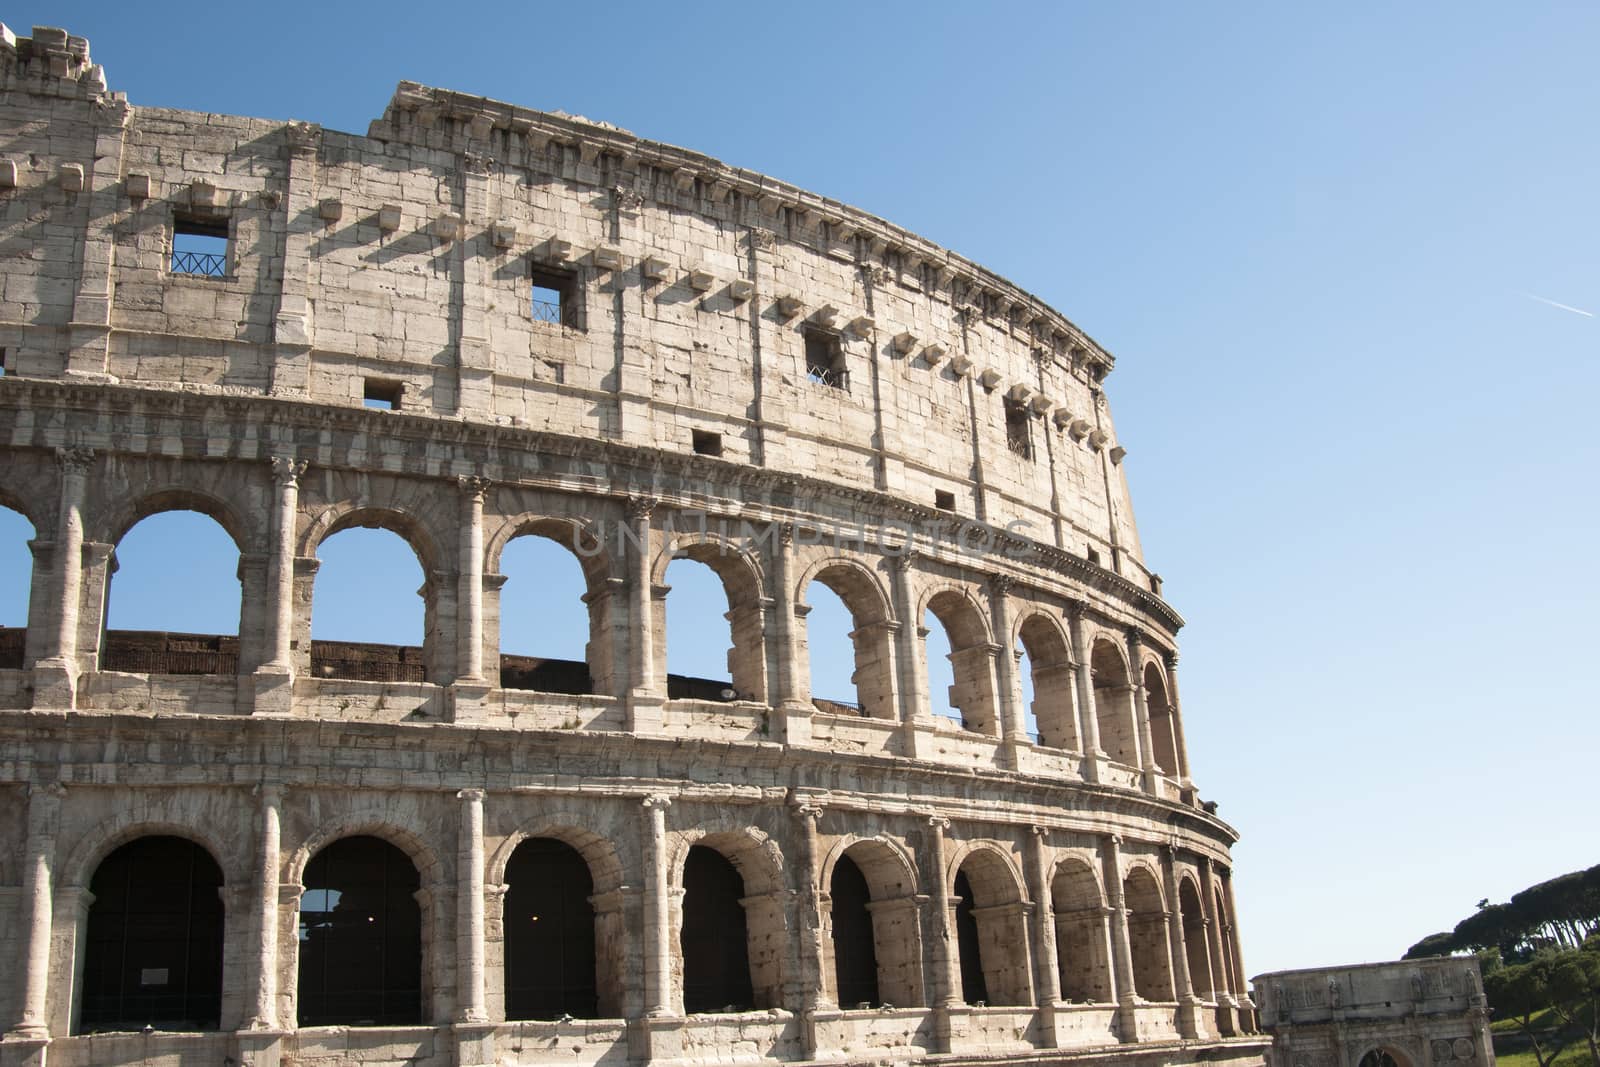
(403, 261)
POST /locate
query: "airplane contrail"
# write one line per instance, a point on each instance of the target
(1563, 307)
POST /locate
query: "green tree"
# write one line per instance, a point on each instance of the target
(1573, 980)
(1521, 992)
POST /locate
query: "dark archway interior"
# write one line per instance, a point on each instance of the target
(974, 987)
(549, 933)
(855, 960)
(716, 954)
(154, 941)
(360, 937)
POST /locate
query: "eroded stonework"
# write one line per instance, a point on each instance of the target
(1412, 1013)
(643, 354)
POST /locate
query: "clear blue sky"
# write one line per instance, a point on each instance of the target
(1362, 446)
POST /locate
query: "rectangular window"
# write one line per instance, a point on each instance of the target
(381, 394)
(944, 500)
(825, 358)
(1019, 429)
(555, 297)
(200, 247)
(707, 443)
(2, 363)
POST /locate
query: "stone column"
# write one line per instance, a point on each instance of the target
(946, 955)
(1178, 948)
(469, 910)
(1013, 724)
(264, 1012)
(1047, 971)
(1122, 946)
(469, 624)
(658, 999)
(293, 322)
(645, 694)
(909, 654)
(1140, 707)
(44, 812)
(1220, 981)
(273, 681)
(790, 690)
(56, 675)
(814, 994)
(1177, 724)
(1088, 719)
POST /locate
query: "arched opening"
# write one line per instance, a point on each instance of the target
(855, 597)
(991, 932)
(360, 936)
(548, 627)
(941, 673)
(1163, 723)
(173, 600)
(16, 584)
(1050, 679)
(714, 942)
(1024, 674)
(712, 619)
(874, 943)
(1194, 939)
(971, 691)
(153, 944)
(1230, 983)
(549, 933)
(1382, 1057)
(855, 960)
(1113, 704)
(1082, 951)
(371, 612)
(1147, 935)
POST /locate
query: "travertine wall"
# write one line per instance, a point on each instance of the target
(406, 257)
(1418, 1013)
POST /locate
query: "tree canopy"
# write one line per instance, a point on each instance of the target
(1557, 914)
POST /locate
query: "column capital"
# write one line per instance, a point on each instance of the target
(1076, 610)
(1000, 584)
(286, 470)
(1170, 657)
(939, 823)
(474, 486)
(47, 791)
(471, 795)
(74, 459)
(1135, 639)
(785, 534)
(1040, 833)
(656, 802)
(269, 792)
(903, 561)
(640, 508)
(807, 809)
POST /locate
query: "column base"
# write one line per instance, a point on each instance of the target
(918, 738)
(1128, 1022)
(259, 1047)
(466, 702)
(55, 685)
(474, 1044)
(1094, 767)
(791, 723)
(272, 691)
(644, 711)
(24, 1048)
(1191, 1019)
(655, 1038)
(1012, 752)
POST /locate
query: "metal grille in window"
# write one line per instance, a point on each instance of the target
(554, 299)
(1018, 438)
(200, 248)
(825, 360)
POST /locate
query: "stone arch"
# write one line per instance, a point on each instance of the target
(744, 585)
(1083, 954)
(606, 616)
(1227, 965)
(1383, 1055)
(16, 577)
(1196, 943)
(872, 624)
(759, 864)
(104, 838)
(436, 660)
(184, 498)
(155, 902)
(369, 823)
(972, 654)
(1163, 720)
(892, 926)
(1147, 934)
(1114, 701)
(991, 925)
(26, 506)
(1050, 657)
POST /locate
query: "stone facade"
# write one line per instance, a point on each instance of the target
(1417, 1013)
(732, 370)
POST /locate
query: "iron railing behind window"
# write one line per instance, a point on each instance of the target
(562, 314)
(204, 264)
(833, 377)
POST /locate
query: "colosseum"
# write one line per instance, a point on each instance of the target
(477, 323)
